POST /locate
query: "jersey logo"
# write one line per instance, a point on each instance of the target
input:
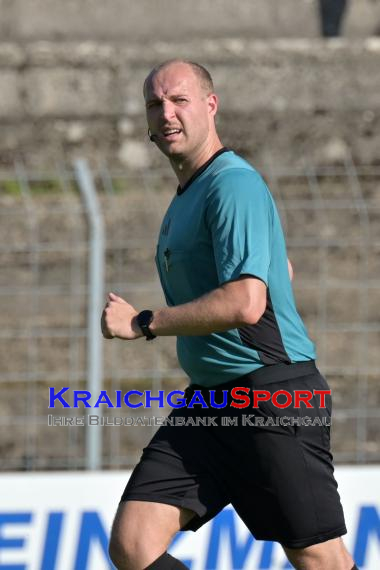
(166, 227)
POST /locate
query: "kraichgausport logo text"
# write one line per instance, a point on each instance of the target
(237, 397)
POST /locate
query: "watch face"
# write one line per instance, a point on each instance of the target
(144, 319)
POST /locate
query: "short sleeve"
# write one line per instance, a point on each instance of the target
(239, 216)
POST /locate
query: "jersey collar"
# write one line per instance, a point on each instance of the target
(201, 169)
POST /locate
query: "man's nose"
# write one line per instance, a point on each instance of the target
(168, 110)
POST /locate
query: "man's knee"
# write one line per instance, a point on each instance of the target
(119, 554)
(330, 555)
(142, 532)
(131, 547)
(132, 552)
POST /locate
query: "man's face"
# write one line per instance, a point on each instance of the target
(179, 111)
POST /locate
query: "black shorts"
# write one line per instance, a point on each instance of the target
(276, 474)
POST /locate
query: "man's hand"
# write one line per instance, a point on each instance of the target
(119, 319)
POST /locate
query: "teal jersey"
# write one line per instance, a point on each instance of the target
(223, 224)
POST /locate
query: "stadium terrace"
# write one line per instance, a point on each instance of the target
(238, 397)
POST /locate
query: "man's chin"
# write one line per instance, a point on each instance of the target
(173, 152)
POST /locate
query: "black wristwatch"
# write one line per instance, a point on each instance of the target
(143, 320)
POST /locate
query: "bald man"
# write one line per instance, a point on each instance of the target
(223, 266)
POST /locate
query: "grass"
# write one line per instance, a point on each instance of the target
(13, 187)
(10, 187)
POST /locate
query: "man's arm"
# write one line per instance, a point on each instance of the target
(241, 239)
(233, 304)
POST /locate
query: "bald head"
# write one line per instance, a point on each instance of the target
(201, 73)
(180, 108)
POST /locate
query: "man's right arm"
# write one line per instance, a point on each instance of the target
(233, 304)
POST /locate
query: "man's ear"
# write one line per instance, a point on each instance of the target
(213, 103)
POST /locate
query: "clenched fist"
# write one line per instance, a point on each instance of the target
(119, 319)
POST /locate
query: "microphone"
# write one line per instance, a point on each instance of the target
(151, 137)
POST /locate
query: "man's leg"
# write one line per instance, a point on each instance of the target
(142, 532)
(329, 555)
(331, 14)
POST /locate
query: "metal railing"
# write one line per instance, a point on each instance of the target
(52, 289)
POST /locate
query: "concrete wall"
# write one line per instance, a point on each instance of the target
(132, 20)
(287, 99)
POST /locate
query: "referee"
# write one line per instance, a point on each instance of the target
(222, 262)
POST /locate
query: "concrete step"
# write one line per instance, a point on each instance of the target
(169, 20)
(293, 98)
